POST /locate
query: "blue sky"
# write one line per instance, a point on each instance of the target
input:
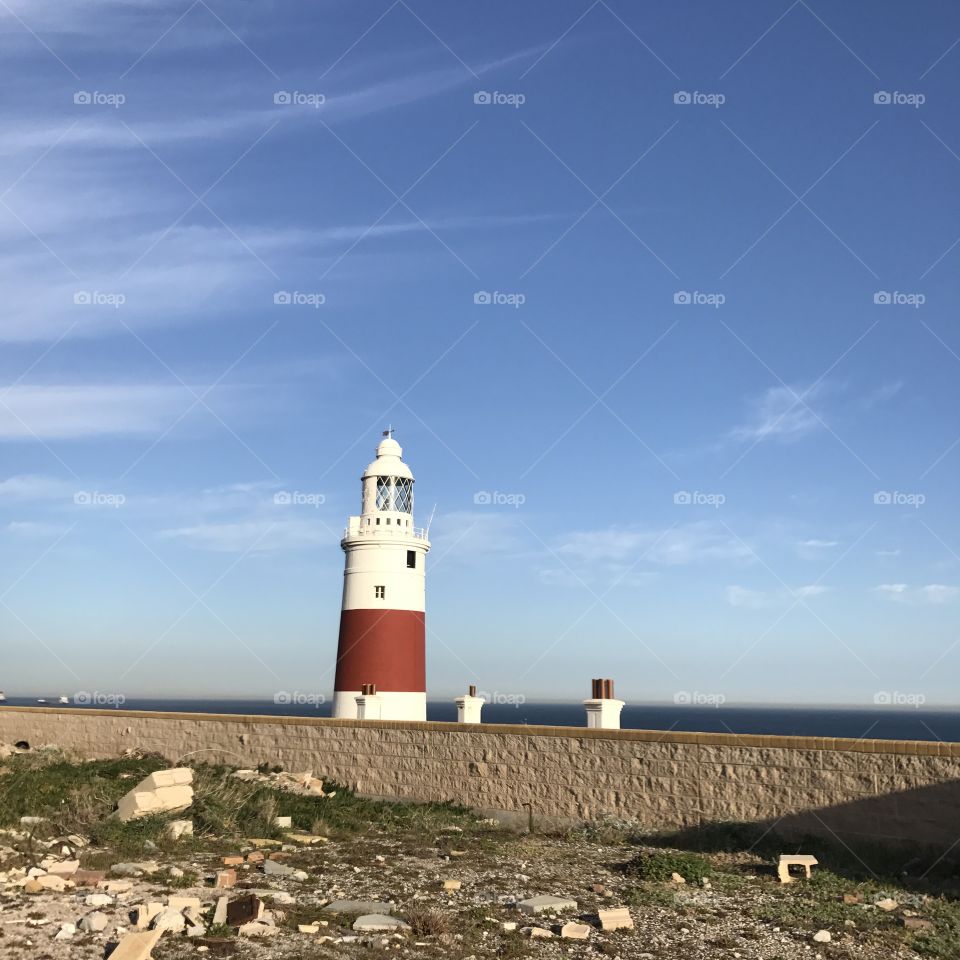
(712, 396)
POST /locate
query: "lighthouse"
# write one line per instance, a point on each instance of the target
(382, 646)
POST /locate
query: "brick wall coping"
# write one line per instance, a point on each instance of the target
(923, 748)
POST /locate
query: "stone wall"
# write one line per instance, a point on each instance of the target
(879, 790)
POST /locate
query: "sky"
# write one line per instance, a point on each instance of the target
(660, 300)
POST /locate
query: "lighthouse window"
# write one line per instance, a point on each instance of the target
(411, 559)
(380, 593)
(404, 495)
(383, 493)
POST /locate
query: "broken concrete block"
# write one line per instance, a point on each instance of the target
(546, 904)
(308, 928)
(220, 912)
(234, 861)
(452, 884)
(98, 900)
(617, 919)
(169, 919)
(358, 906)
(51, 881)
(244, 910)
(64, 868)
(94, 922)
(575, 931)
(179, 828)
(183, 903)
(283, 822)
(144, 913)
(537, 933)
(273, 868)
(117, 886)
(174, 777)
(136, 946)
(376, 922)
(66, 932)
(141, 803)
(788, 860)
(887, 904)
(225, 878)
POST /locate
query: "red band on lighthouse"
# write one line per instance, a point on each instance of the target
(385, 647)
(382, 635)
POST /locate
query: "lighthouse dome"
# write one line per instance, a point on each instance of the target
(389, 462)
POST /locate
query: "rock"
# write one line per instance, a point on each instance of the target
(917, 923)
(821, 936)
(536, 933)
(168, 919)
(546, 904)
(94, 922)
(136, 946)
(358, 906)
(259, 842)
(179, 828)
(98, 900)
(66, 932)
(850, 898)
(118, 886)
(307, 839)
(887, 904)
(508, 926)
(575, 931)
(284, 823)
(308, 927)
(175, 872)
(31, 886)
(254, 929)
(51, 882)
(164, 791)
(135, 869)
(375, 922)
(617, 919)
(64, 868)
(88, 878)
(676, 878)
(452, 884)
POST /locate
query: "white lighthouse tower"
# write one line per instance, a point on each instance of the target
(382, 646)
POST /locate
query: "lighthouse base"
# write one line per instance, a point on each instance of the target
(394, 706)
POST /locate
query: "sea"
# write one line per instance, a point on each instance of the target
(900, 723)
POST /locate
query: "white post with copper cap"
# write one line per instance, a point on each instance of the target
(603, 710)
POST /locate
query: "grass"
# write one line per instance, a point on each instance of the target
(79, 797)
(660, 865)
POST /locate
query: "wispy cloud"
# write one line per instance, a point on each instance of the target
(782, 413)
(738, 596)
(72, 411)
(932, 593)
(29, 487)
(690, 543)
(256, 536)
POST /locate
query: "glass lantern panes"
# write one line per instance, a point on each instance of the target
(404, 496)
(383, 493)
